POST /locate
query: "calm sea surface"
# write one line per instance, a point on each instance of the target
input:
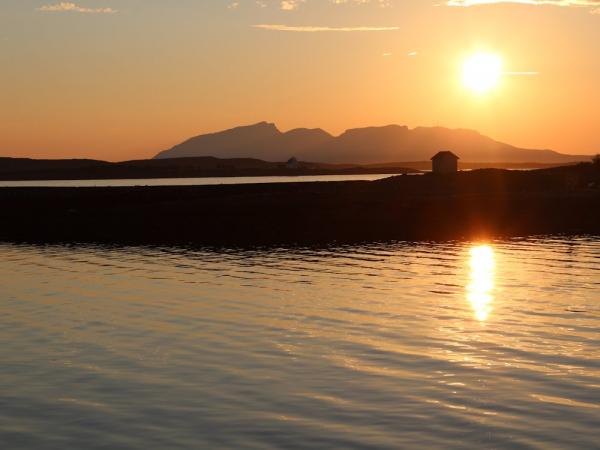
(191, 181)
(416, 346)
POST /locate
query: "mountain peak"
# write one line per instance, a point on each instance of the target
(264, 124)
(259, 126)
(307, 131)
(376, 130)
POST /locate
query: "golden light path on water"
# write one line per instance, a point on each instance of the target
(481, 286)
(369, 346)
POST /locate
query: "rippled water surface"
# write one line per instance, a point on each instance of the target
(424, 346)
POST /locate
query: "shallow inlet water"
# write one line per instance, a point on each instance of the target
(418, 346)
(206, 181)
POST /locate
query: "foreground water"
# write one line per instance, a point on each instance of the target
(206, 181)
(424, 346)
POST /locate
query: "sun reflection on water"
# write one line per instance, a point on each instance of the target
(481, 286)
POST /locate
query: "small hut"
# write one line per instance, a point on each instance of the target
(444, 162)
(292, 163)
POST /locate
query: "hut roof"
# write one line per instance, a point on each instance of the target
(444, 154)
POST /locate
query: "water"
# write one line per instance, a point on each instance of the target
(418, 346)
(192, 181)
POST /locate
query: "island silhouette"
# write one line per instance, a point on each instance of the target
(263, 150)
(443, 204)
(387, 144)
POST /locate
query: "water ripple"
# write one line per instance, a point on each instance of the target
(371, 346)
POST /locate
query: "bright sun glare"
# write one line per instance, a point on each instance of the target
(482, 72)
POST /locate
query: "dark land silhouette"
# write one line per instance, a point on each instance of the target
(359, 146)
(32, 169)
(465, 205)
(263, 150)
(85, 169)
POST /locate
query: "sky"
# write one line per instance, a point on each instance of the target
(124, 79)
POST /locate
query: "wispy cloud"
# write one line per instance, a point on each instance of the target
(381, 3)
(293, 5)
(571, 3)
(312, 29)
(290, 5)
(73, 7)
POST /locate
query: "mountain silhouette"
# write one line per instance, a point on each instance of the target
(262, 139)
(369, 145)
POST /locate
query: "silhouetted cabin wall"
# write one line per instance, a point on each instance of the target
(444, 162)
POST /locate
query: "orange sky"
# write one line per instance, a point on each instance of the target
(124, 79)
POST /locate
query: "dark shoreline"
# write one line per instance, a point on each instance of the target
(162, 174)
(469, 205)
(22, 169)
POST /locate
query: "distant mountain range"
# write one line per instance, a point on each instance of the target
(358, 146)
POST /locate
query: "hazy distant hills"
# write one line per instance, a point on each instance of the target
(360, 146)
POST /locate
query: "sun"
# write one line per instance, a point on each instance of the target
(482, 72)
